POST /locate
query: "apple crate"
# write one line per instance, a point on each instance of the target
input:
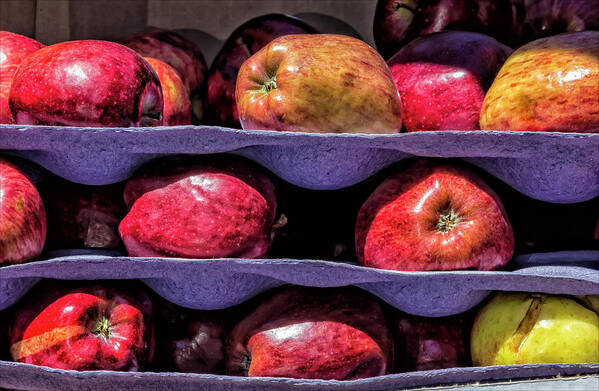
(550, 167)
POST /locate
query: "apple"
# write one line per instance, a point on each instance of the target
(433, 343)
(13, 49)
(22, 216)
(312, 333)
(551, 85)
(86, 83)
(245, 41)
(88, 327)
(81, 216)
(199, 207)
(433, 216)
(181, 54)
(318, 83)
(442, 79)
(532, 328)
(177, 106)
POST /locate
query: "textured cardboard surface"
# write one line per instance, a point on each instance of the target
(554, 167)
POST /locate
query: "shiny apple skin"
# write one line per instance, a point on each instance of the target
(325, 83)
(86, 83)
(181, 54)
(22, 216)
(312, 333)
(206, 207)
(442, 79)
(177, 106)
(550, 85)
(433, 343)
(63, 329)
(246, 40)
(13, 49)
(400, 226)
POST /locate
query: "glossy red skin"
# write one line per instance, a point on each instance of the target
(177, 106)
(86, 83)
(246, 40)
(56, 330)
(181, 54)
(433, 343)
(396, 226)
(205, 208)
(311, 333)
(81, 216)
(22, 216)
(442, 79)
(13, 49)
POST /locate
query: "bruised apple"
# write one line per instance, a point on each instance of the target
(534, 328)
(320, 83)
(88, 327)
(199, 207)
(312, 333)
(22, 216)
(442, 79)
(13, 49)
(86, 83)
(433, 216)
(177, 106)
(551, 84)
(246, 40)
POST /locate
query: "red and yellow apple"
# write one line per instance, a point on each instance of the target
(22, 216)
(433, 216)
(551, 84)
(312, 333)
(13, 49)
(318, 83)
(177, 106)
(86, 83)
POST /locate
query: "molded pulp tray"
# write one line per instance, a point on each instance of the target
(553, 167)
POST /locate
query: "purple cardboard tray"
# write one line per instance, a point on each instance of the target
(30, 377)
(553, 167)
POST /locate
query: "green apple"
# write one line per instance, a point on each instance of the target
(531, 328)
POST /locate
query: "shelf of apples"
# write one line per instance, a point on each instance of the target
(438, 203)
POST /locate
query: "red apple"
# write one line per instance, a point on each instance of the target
(94, 327)
(246, 40)
(81, 216)
(318, 83)
(433, 216)
(442, 79)
(177, 106)
(13, 49)
(181, 54)
(205, 207)
(86, 83)
(433, 343)
(22, 216)
(312, 333)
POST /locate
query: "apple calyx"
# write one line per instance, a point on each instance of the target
(102, 328)
(448, 219)
(528, 322)
(269, 84)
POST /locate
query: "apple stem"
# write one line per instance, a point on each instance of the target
(103, 328)
(448, 219)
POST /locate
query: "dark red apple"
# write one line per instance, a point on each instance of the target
(246, 40)
(89, 327)
(312, 333)
(433, 216)
(442, 79)
(81, 216)
(86, 83)
(22, 216)
(177, 106)
(199, 207)
(13, 49)
(181, 54)
(433, 343)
